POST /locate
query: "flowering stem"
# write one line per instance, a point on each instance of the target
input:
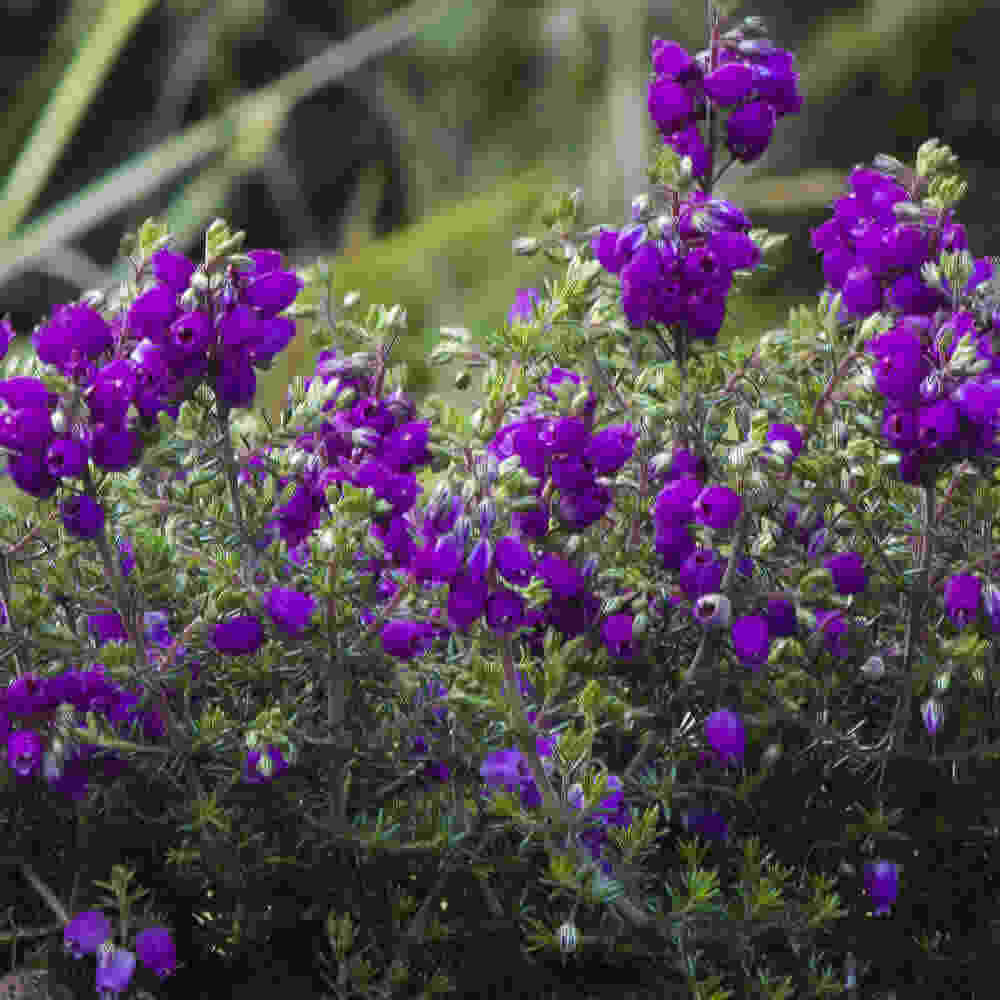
(336, 694)
(229, 461)
(54, 904)
(527, 746)
(917, 596)
(707, 645)
(126, 612)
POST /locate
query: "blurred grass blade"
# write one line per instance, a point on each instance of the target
(239, 130)
(69, 102)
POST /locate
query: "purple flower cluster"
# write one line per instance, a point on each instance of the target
(873, 248)
(679, 270)
(750, 83)
(138, 362)
(685, 499)
(89, 933)
(683, 274)
(439, 545)
(48, 707)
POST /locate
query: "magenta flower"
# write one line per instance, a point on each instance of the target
(155, 948)
(24, 752)
(726, 735)
(750, 640)
(82, 516)
(717, 506)
(962, 595)
(848, 571)
(238, 636)
(290, 609)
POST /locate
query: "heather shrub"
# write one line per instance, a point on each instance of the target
(669, 668)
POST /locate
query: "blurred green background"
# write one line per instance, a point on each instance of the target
(411, 144)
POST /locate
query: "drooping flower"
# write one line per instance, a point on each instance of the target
(156, 950)
(238, 636)
(882, 883)
(726, 735)
(86, 932)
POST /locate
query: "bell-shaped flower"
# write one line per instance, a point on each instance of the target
(156, 950)
(751, 640)
(514, 562)
(848, 571)
(717, 506)
(962, 596)
(290, 609)
(882, 883)
(726, 735)
(86, 932)
(932, 712)
(82, 516)
(238, 636)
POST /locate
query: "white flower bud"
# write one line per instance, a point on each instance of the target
(713, 610)
(568, 937)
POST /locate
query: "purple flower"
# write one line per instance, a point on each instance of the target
(74, 332)
(24, 752)
(729, 84)
(702, 573)
(86, 932)
(66, 458)
(710, 825)
(290, 609)
(560, 577)
(522, 309)
(260, 767)
(781, 618)
(82, 516)
(173, 269)
(962, 595)
(467, 599)
(862, 292)
(882, 883)
(717, 506)
(405, 640)
(514, 562)
(749, 130)
(726, 735)
(608, 450)
(238, 636)
(932, 712)
(155, 948)
(617, 635)
(848, 572)
(272, 291)
(504, 611)
(788, 433)
(750, 640)
(670, 105)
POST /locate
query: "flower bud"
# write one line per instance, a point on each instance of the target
(568, 937)
(932, 712)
